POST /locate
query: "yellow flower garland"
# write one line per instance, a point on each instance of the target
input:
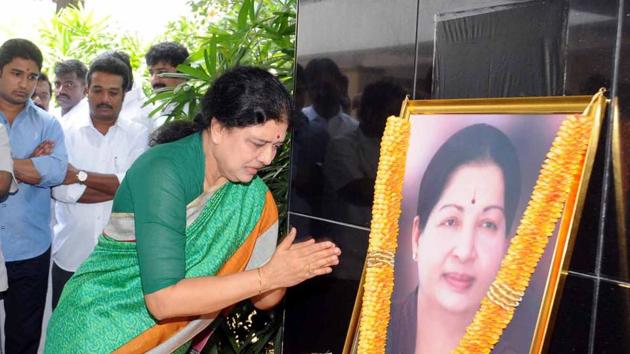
(379, 275)
(559, 172)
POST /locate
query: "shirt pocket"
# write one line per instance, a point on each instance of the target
(121, 159)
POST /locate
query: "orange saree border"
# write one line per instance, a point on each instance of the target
(164, 330)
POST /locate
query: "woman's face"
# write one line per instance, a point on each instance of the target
(461, 247)
(241, 152)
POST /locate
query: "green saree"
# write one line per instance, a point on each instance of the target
(163, 228)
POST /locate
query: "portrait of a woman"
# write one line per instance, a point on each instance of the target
(467, 202)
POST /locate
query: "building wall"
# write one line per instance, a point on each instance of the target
(372, 40)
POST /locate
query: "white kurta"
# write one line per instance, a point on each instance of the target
(79, 224)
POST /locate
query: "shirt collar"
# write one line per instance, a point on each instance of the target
(83, 104)
(86, 121)
(30, 105)
(312, 114)
(29, 109)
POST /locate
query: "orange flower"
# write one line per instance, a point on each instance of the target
(560, 171)
(379, 276)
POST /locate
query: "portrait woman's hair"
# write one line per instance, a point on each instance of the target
(477, 143)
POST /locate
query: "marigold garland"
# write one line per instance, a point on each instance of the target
(379, 276)
(560, 171)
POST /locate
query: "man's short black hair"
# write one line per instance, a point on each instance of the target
(123, 58)
(112, 65)
(170, 52)
(20, 48)
(72, 66)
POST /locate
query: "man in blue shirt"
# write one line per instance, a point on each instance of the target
(39, 162)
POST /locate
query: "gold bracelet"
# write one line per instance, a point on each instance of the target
(259, 281)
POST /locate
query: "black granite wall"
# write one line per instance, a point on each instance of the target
(380, 44)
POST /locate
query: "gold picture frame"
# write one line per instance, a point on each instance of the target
(574, 146)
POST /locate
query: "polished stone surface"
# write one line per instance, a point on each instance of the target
(591, 39)
(343, 47)
(318, 311)
(373, 40)
(613, 318)
(570, 332)
(616, 259)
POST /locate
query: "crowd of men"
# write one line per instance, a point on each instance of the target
(60, 167)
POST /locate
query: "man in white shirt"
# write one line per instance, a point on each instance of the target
(101, 147)
(327, 90)
(324, 120)
(70, 91)
(351, 160)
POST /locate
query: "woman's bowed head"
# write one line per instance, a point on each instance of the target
(467, 203)
(244, 119)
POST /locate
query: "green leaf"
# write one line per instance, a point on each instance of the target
(242, 14)
(195, 72)
(252, 13)
(210, 56)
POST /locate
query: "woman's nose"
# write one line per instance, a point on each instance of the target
(267, 155)
(464, 248)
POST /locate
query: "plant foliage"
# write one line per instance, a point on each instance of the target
(76, 33)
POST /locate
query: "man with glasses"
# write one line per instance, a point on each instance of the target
(164, 58)
(43, 90)
(70, 90)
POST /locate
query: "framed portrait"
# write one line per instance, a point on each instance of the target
(477, 202)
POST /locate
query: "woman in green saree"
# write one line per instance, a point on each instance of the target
(187, 219)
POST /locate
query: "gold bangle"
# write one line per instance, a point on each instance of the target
(259, 281)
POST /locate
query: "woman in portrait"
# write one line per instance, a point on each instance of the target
(467, 203)
(193, 229)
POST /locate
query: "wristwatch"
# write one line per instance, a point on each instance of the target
(82, 176)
